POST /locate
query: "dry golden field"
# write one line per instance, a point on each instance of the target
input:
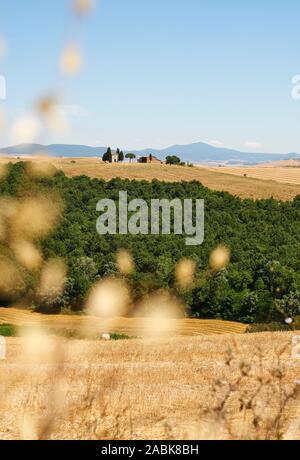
(214, 387)
(261, 182)
(282, 174)
(133, 327)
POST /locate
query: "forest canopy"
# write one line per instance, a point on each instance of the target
(261, 282)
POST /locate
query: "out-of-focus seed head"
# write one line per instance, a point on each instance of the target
(11, 281)
(125, 262)
(25, 130)
(219, 258)
(184, 272)
(83, 7)
(71, 60)
(28, 428)
(41, 167)
(209, 429)
(108, 299)
(46, 105)
(37, 345)
(53, 280)
(8, 207)
(52, 114)
(35, 218)
(58, 123)
(158, 315)
(27, 254)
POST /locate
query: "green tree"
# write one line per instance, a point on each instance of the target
(173, 160)
(260, 284)
(289, 305)
(121, 156)
(130, 156)
(108, 155)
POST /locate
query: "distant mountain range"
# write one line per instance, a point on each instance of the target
(205, 153)
(196, 153)
(54, 150)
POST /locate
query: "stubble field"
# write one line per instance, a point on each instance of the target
(281, 174)
(214, 387)
(133, 327)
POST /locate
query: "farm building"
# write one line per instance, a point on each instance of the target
(150, 159)
(114, 157)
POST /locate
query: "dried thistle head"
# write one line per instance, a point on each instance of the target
(277, 372)
(245, 369)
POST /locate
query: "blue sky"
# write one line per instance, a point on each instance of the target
(161, 72)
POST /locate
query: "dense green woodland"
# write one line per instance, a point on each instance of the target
(262, 279)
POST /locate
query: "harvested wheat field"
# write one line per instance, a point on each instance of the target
(220, 179)
(218, 387)
(211, 178)
(282, 174)
(133, 327)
